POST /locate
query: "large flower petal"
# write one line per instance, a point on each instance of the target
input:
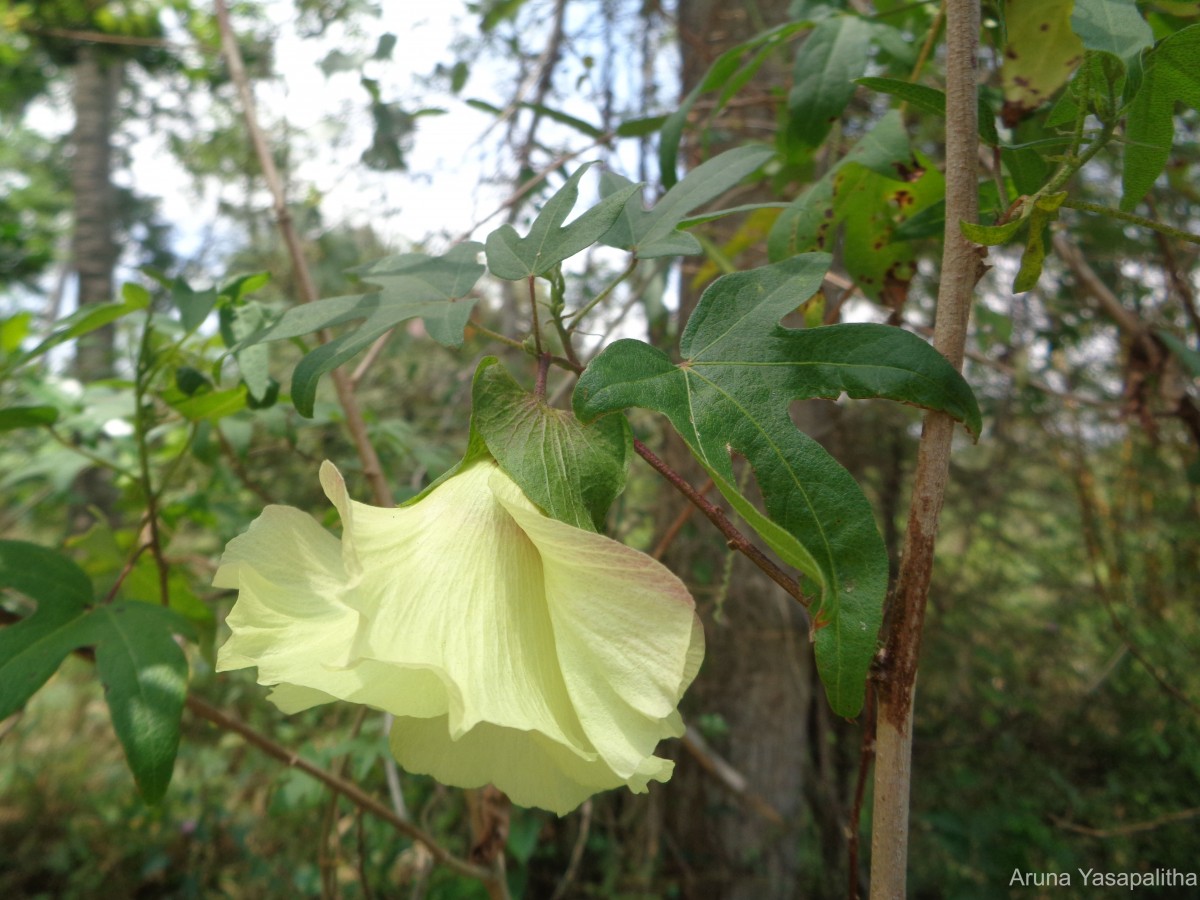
(532, 769)
(291, 621)
(629, 641)
(513, 648)
(454, 585)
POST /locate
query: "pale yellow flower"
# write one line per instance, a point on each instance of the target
(512, 648)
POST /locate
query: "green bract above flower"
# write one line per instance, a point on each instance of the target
(512, 648)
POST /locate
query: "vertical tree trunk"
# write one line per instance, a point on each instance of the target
(93, 246)
(756, 677)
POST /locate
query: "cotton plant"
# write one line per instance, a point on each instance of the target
(513, 642)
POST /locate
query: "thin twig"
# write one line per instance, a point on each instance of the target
(1113, 212)
(585, 828)
(1182, 286)
(141, 428)
(125, 570)
(519, 194)
(533, 309)
(1133, 828)
(931, 37)
(357, 426)
(238, 468)
(369, 358)
(205, 710)
(600, 297)
(866, 756)
(733, 780)
(329, 841)
(100, 37)
(676, 526)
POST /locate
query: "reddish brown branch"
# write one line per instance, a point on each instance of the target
(736, 540)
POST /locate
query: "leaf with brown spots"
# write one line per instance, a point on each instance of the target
(1041, 53)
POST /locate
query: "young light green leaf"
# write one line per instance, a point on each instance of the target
(731, 394)
(1170, 75)
(32, 649)
(412, 285)
(653, 233)
(1114, 26)
(194, 306)
(238, 323)
(513, 257)
(827, 63)
(210, 405)
(991, 235)
(572, 471)
(1045, 211)
(144, 673)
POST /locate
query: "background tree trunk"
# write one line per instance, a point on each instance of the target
(757, 685)
(93, 246)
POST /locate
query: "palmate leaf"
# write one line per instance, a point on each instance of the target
(512, 257)
(32, 649)
(143, 670)
(730, 394)
(572, 471)
(412, 285)
(653, 233)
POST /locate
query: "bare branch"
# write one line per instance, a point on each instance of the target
(308, 289)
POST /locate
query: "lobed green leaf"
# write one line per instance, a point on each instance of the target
(730, 394)
(32, 649)
(512, 257)
(411, 285)
(653, 233)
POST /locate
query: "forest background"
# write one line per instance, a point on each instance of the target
(1057, 723)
